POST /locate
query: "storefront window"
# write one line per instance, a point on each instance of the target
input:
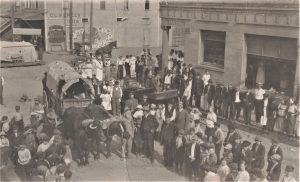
(214, 48)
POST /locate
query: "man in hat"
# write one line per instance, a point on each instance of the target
(95, 83)
(114, 72)
(258, 150)
(145, 101)
(274, 149)
(218, 140)
(237, 103)
(182, 118)
(15, 139)
(233, 172)
(148, 126)
(30, 140)
(227, 154)
(236, 149)
(116, 98)
(246, 155)
(132, 102)
(232, 135)
(193, 154)
(17, 118)
(247, 108)
(197, 89)
(168, 139)
(288, 174)
(259, 101)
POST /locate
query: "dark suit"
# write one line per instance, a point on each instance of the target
(191, 72)
(14, 142)
(197, 90)
(168, 141)
(273, 151)
(237, 105)
(247, 156)
(193, 165)
(258, 156)
(148, 126)
(231, 137)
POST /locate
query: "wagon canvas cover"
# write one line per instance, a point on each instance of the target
(59, 70)
(17, 49)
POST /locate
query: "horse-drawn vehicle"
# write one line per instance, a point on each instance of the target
(64, 88)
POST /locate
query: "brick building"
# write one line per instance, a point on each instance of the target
(239, 42)
(131, 23)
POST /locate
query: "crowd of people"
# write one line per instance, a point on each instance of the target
(187, 127)
(38, 151)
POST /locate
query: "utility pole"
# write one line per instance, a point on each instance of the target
(71, 25)
(91, 24)
(65, 23)
(12, 19)
(84, 14)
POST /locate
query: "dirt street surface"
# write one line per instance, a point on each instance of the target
(28, 80)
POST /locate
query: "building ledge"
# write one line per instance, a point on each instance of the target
(210, 67)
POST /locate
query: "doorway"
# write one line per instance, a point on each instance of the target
(275, 73)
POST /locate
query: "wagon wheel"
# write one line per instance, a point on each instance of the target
(45, 101)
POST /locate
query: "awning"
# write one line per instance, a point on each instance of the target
(27, 15)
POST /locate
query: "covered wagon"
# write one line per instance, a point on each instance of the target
(63, 87)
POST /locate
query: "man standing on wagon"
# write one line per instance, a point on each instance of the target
(116, 99)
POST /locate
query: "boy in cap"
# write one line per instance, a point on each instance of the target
(116, 99)
(258, 150)
(288, 174)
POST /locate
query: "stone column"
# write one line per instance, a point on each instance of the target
(296, 82)
(165, 46)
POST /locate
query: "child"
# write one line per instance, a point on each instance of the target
(5, 125)
(190, 135)
(223, 170)
(288, 175)
(227, 154)
(179, 151)
(4, 148)
(198, 128)
(106, 100)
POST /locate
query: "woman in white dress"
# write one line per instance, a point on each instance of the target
(98, 69)
(264, 117)
(106, 100)
(132, 62)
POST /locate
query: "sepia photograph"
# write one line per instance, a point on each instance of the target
(149, 90)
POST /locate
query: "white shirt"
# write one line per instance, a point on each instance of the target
(259, 94)
(193, 151)
(206, 78)
(237, 97)
(168, 78)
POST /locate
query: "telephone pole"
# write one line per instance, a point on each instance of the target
(71, 25)
(65, 23)
(84, 14)
(12, 19)
(91, 25)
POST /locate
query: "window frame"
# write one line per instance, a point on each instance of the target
(215, 40)
(147, 5)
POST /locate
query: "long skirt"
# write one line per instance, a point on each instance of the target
(290, 125)
(279, 124)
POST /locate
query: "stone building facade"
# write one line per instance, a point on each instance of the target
(240, 42)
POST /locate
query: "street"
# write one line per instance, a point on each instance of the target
(27, 80)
